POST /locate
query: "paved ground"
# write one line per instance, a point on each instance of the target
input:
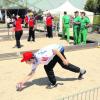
(12, 71)
(8, 46)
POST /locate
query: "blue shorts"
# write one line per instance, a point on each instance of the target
(62, 50)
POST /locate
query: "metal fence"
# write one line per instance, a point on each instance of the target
(91, 94)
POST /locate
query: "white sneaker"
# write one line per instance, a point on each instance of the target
(82, 72)
(50, 86)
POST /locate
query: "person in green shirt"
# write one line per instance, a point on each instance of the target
(66, 26)
(85, 23)
(76, 27)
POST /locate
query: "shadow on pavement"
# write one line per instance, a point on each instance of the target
(45, 81)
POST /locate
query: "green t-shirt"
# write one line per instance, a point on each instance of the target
(84, 22)
(77, 19)
(66, 19)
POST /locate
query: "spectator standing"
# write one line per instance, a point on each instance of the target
(49, 25)
(8, 21)
(85, 23)
(76, 27)
(31, 29)
(66, 26)
(18, 31)
(26, 21)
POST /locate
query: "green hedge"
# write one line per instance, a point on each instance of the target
(96, 19)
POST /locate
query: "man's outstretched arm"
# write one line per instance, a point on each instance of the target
(29, 76)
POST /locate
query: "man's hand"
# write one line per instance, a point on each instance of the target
(77, 23)
(20, 86)
(65, 61)
(89, 25)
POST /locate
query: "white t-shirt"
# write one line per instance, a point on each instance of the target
(45, 55)
(8, 20)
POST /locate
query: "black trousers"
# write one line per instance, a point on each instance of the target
(26, 25)
(18, 35)
(49, 68)
(49, 32)
(31, 34)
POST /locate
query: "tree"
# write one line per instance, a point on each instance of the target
(89, 5)
(98, 6)
(93, 5)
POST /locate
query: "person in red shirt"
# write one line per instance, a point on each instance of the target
(26, 21)
(31, 29)
(19, 19)
(18, 31)
(49, 25)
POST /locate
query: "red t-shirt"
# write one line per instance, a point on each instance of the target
(20, 19)
(26, 19)
(18, 26)
(49, 21)
(31, 22)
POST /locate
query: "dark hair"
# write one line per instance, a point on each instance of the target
(32, 57)
(76, 12)
(83, 13)
(65, 12)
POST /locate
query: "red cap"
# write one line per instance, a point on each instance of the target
(27, 56)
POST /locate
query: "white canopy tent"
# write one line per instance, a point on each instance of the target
(70, 9)
(67, 6)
